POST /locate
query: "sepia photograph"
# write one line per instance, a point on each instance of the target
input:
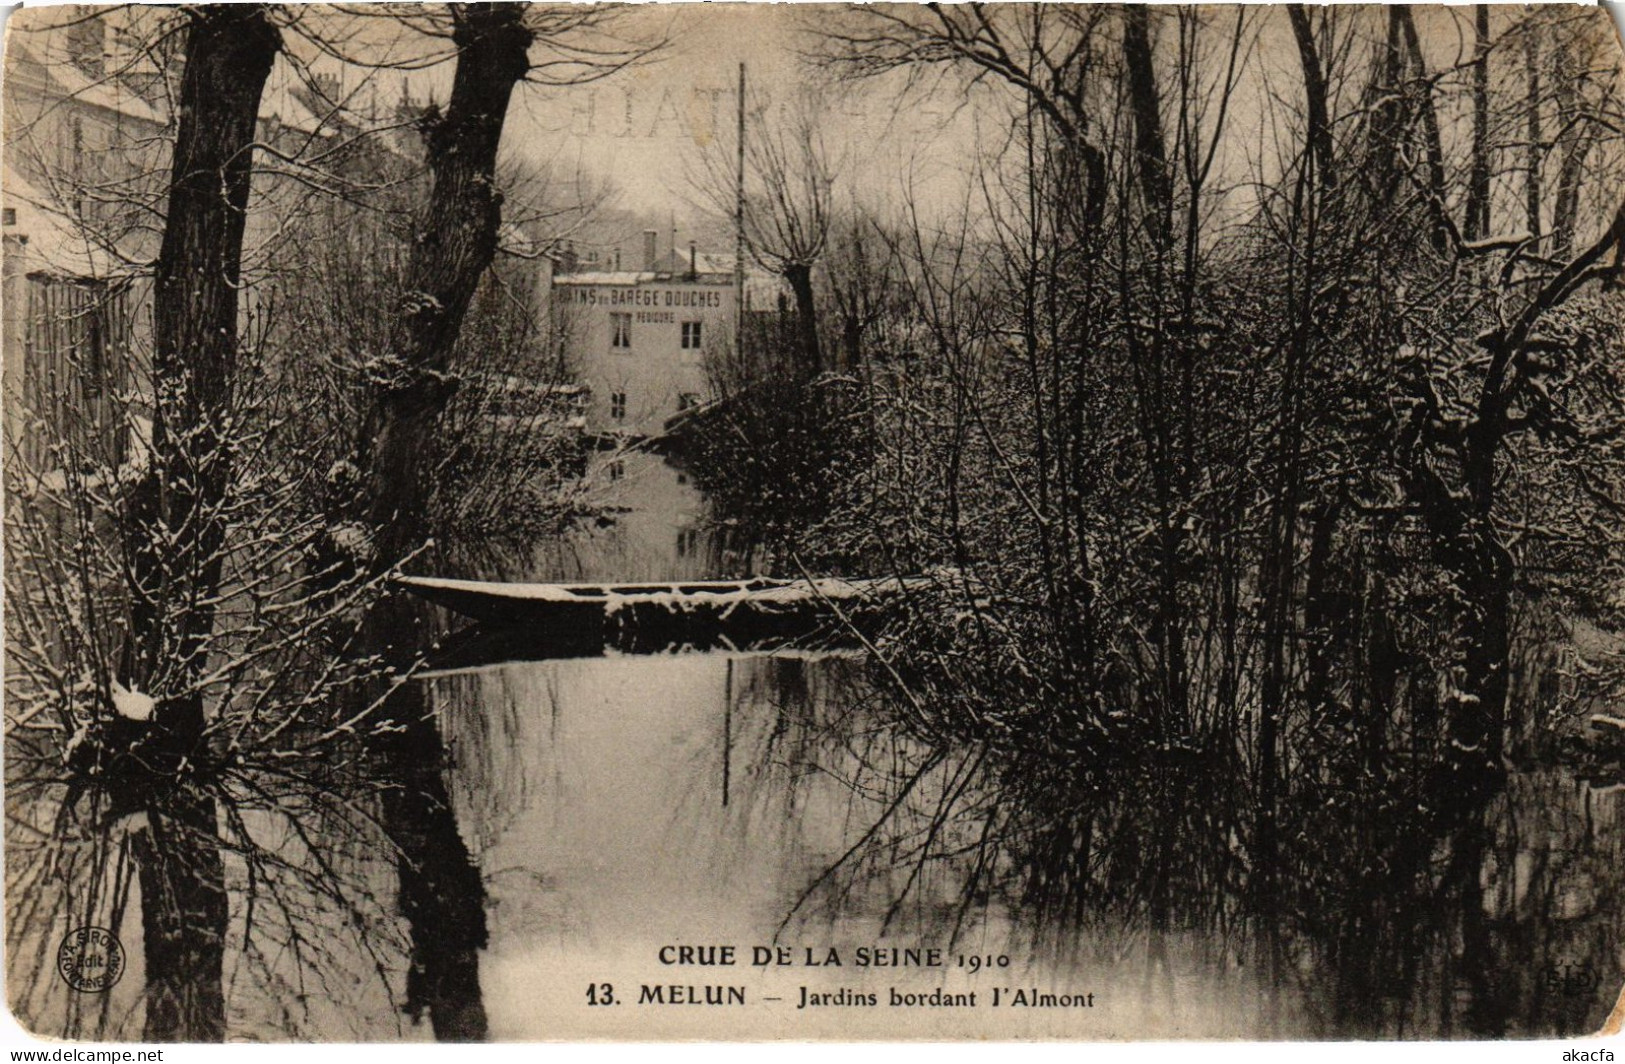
(744, 522)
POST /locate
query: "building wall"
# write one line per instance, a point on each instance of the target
(70, 363)
(87, 154)
(624, 337)
(84, 159)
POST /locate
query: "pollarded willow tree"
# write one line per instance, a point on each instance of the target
(180, 640)
(215, 480)
(787, 200)
(179, 529)
(458, 229)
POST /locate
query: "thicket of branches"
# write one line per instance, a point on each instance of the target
(1262, 418)
(1221, 436)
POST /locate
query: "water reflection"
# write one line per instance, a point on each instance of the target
(316, 891)
(527, 824)
(442, 895)
(534, 821)
(754, 799)
(248, 907)
(184, 912)
(655, 525)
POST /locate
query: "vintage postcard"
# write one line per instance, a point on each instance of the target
(814, 522)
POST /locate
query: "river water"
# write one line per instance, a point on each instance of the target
(692, 800)
(597, 816)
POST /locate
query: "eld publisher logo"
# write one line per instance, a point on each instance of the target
(90, 960)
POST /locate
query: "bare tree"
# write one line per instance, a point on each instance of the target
(180, 528)
(454, 248)
(459, 228)
(790, 175)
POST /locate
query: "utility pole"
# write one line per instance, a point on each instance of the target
(739, 226)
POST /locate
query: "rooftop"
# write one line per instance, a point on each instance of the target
(55, 243)
(710, 268)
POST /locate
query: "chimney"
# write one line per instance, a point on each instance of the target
(327, 87)
(568, 261)
(649, 248)
(693, 262)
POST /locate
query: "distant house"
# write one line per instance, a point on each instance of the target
(638, 338)
(84, 163)
(644, 340)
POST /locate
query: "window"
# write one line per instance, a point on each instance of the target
(76, 147)
(691, 336)
(617, 470)
(620, 331)
(9, 215)
(617, 405)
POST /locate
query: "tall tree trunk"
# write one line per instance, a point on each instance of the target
(1155, 183)
(1572, 145)
(1388, 115)
(1567, 208)
(1533, 150)
(1279, 555)
(179, 527)
(1156, 361)
(1432, 141)
(1314, 87)
(798, 275)
(456, 243)
(1477, 223)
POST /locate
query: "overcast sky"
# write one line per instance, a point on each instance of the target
(646, 127)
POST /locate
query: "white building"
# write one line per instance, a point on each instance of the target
(639, 339)
(644, 341)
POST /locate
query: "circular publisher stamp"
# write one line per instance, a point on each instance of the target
(90, 959)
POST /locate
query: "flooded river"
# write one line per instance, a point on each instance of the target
(624, 805)
(599, 820)
(619, 806)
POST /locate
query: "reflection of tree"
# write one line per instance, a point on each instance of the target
(169, 847)
(183, 920)
(441, 892)
(1394, 910)
(281, 897)
(49, 844)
